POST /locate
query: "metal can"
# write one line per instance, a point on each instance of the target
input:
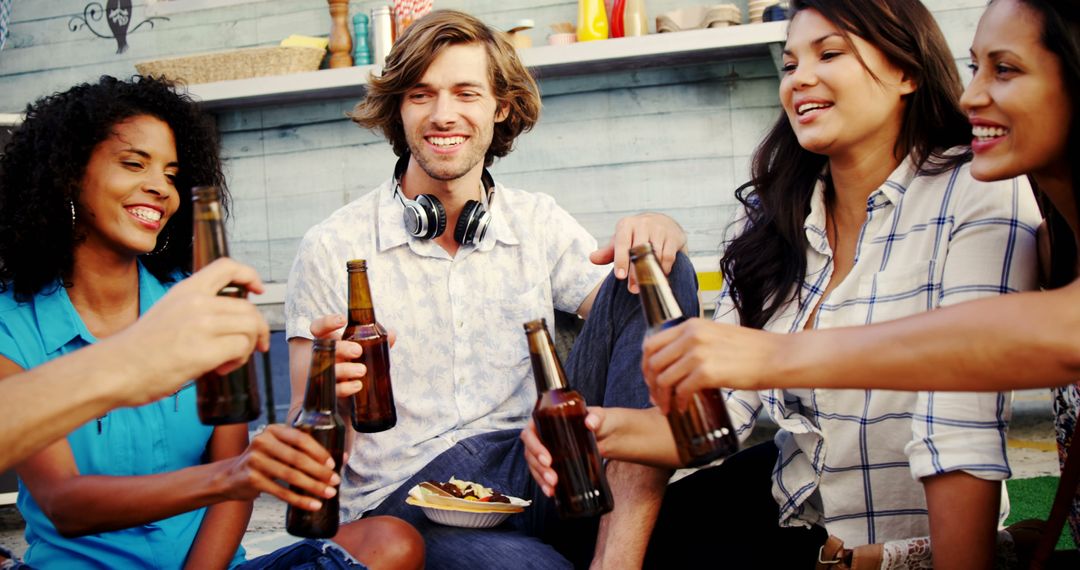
(382, 34)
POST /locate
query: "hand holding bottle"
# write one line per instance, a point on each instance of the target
(347, 371)
(196, 331)
(700, 354)
(280, 453)
(622, 434)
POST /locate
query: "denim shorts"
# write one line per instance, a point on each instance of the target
(308, 554)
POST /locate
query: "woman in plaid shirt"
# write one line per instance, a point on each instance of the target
(1022, 104)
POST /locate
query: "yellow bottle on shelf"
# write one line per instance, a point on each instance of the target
(592, 21)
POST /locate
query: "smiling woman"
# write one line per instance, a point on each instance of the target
(95, 227)
(44, 215)
(861, 209)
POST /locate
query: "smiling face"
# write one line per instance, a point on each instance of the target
(1017, 103)
(449, 116)
(834, 104)
(128, 191)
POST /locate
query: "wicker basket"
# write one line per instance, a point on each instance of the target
(236, 64)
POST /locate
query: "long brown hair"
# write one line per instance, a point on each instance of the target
(766, 263)
(1061, 36)
(423, 41)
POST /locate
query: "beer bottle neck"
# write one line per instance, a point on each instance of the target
(320, 395)
(547, 371)
(657, 300)
(209, 233)
(361, 309)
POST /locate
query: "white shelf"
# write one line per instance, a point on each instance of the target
(656, 50)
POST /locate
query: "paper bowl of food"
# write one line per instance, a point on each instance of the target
(464, 503)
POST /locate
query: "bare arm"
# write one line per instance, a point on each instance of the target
(1018, 341)
(1026, 340)
(963, 519)
(146, 361)
(85, 504)
(79, 505)
(223, 527)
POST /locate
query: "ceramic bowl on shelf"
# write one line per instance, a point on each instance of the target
(562, 38)
(697, 17)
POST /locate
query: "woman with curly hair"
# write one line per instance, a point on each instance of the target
(95, 226)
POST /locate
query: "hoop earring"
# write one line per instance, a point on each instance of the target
(164, 246)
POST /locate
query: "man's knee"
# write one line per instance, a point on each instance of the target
(684, 285)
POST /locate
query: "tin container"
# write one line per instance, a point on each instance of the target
(382, 34)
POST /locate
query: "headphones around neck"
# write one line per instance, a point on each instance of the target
(425, 217)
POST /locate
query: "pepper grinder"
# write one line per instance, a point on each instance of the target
(361, 53)
(340, 40)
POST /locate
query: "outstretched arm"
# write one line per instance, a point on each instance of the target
(1018, 341)
(85, 504)
(146, 361)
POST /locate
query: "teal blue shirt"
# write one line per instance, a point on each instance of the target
(159, 437)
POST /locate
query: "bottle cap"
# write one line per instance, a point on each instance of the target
(536, 325)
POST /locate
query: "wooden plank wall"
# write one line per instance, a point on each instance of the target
(675, 140)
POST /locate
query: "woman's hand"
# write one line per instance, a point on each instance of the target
(703, 354)
(286, 454)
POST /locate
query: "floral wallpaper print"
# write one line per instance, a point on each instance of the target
(5, 16)
(118, 16)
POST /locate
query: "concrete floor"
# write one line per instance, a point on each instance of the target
(1031, 452)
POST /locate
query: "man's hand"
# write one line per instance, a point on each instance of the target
(348, 371)
(703, 354)
(191, 330)
(665, 235)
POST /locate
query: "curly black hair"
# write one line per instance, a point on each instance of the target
(41, 169)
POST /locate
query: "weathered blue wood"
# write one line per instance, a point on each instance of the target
(676, 140)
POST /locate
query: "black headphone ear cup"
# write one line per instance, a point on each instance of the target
(468, 222)
(435, 213)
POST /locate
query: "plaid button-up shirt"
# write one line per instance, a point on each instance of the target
(851, 459)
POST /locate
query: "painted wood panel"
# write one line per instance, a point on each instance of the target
(676, 139)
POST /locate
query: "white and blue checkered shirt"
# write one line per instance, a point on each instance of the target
(851, 459)
(460, 366)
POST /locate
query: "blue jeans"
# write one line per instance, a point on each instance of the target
(605, 367)
(308, 554)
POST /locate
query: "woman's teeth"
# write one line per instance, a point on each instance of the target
(982, 132)
(148, 214)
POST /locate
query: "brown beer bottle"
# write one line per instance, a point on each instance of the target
(582, 489)
(702, 431)
(373, 406)
(231, 398)
(319, 418)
